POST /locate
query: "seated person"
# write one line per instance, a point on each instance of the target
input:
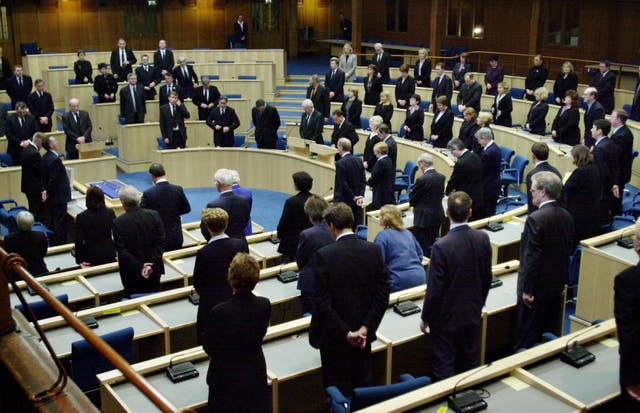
(31, 245)
(401, 251)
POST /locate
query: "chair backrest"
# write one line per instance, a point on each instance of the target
(234, 96)
(368, 396)
(506, 154)
(42, 309)
(364, 122)
(247, 77)
(96, 99)
(410, 169)
(574, 266)
(281, 144)
(402, 132)
(161, 144)
(6, 159)
(424, 104)
(456, 111)
(516, 93)
(519, 163)
(8, 221)
(87, 362)
(238, 141)
(552, 98)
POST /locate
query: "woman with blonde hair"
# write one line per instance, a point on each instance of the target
(502, 106)
(536, 119)
(566, 80)
(401, 251)
(348, 63)
(468, 130)
(384, 108)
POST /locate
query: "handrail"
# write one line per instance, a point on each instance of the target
(12, 267)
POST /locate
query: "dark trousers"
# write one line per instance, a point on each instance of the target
(605, 210)
(308, 305)
(616, 203)
(426, 237)
(345, 366)
(44, 128)
(545, 316)
(72, 152)
(58, 216)
(138, 117)
(35, 205)
(176, 141)
(454, 351)
(224, 141)
(266, 142)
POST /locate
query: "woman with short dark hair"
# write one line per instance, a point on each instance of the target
(565, 128)
(372, 86)
(405, 87)
(293, 219)
(94, 244)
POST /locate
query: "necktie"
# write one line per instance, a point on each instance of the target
(122, 57)
(184, 72)
(162, 54)
(20, 80)
(133, 97)
(168, 89)
(21, 121)
(308, 116)
(39, 94)
(75, 116)
(173, 110)
(222, 112)
(146, 68)
(332, 74)
(206, 94)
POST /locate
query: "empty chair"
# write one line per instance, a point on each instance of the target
(238, 141)
(364, 122)
(42, 309)
(161, 144)
(517, 93)
(71, 81)
(405, 180)
(96, 99)
(58, 67)
(506, 154)
(6, 160)
(513, 175)
(402, 132)
(234, 96)
(361, 232)
(574, 273)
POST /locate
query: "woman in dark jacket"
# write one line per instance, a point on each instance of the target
(293, 219)
(442, 124)
(415, 120)
(352, 107)
(468, 130)
(385, 108)
(536, 119)
(369, 157)
(372, 86)
(405, 87)
(565, 127)
(234, 332)
(94, 244)
(502, 106)
(567, 80)
(83, 70)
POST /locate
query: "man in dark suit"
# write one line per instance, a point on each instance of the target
(422, 69)
(350, 181)
(105, 85)
(19, 128)
(237, 206)
(19, 86)
(627, 313)
(311, 123)
(491, 159)
(167, 87)
(138, 236)
(635, 103)
(623, 138)
(593, 112)
(40, 104)
(607, 158)
(267, 122)
(29, 244)
(539, 156)
(122, 61)
(385, 136)
(426, 199)
(459, 280)
(185, 76)
(536, 77)
(350, 300)
(467, 173)
(334, 81)
(77, 127)
(241, 32)
(545, 248)
(345, 27)
(343, 129)
(5, 71)
(133, 105)
(442, 86)
(163, 58)
(148, 76)
(170, 202)
(293, 220)
(56, 190)
(223, 120)
(205, 98)
(172, 127)
(605, 83)
(245, 192)
(383, 177)
(470, 94)
(319, 95)
(31, 179)
(382, 60)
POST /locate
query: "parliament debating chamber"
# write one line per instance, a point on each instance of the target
(95, 347)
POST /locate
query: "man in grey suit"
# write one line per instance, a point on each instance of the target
(426, 200)
(539, 156)
(77, 126)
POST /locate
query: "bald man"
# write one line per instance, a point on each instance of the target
(77, 126)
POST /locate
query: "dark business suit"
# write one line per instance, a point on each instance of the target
(93, 241)
(491, 168)
(536, 77)
(467, 135)
(443, 127)
(441, 87)
(566, 125)
(171, 119)
(404, 89)
(542, 166)
(382, 179)
(19, 92)
(163, 63)
(170, 202)
(41, 105)
(581, 197)
(228, 119)
(467, 177)
(459, 280)
(623, 138)
(415, 121)
(18, 131)
(591, 114)
(353, 112)
(166, 89)
(138, 236)
(105, 85)
(385, 112)
(349, 183)
(266, 125)
(505, 107)
(606, 87)
(239, 210)
(344, 130)
(422, 75)
(627, 313)
(368, 155)
(292, 222)
(372, 90)
(311, 240)
(537, 118)
(32, 246)
(237, 375)
(186, 82)
(563, 84)
(426, 199)
(56, 183)
(606, 157)
(241, 32)
(210, 276)
(470, 96)
(459, 71)
(146, 75)
(635, 104)
(31, 179)
(545, 248)
(393, 150)
(245, 192)
(320, 99)
(118, 69)
(334, 82)
(5, 72)
(348, 296)
(311, 127)
(74, 129)
(133, 105)
(206, 96)
(82, 69)
(382, 62)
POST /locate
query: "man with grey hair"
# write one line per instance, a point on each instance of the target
(77, 127)
(382, 60)
(426, 200)
(491, 159)
(467, 173)
(139, 240)
(245, 192)
(205, 97)
(311, 123)
(319, 95)
(133, 104)
(545, 248)
(237, 206)
(185, 76)
(31, 245)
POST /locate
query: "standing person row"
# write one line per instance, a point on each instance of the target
(19, 86)
(223, 120)
(266, 121)
(172, 127)
(40, 104)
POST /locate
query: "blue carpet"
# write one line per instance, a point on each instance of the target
(290, 113)
(301, 95)
(290, 104)
(308, 65)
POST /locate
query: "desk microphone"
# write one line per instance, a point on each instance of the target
(405, 308)
(194, 297)
(576, 355)
(625, 242)
(182, 371)
(325, 193)
(467, 401)
(286, 276)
